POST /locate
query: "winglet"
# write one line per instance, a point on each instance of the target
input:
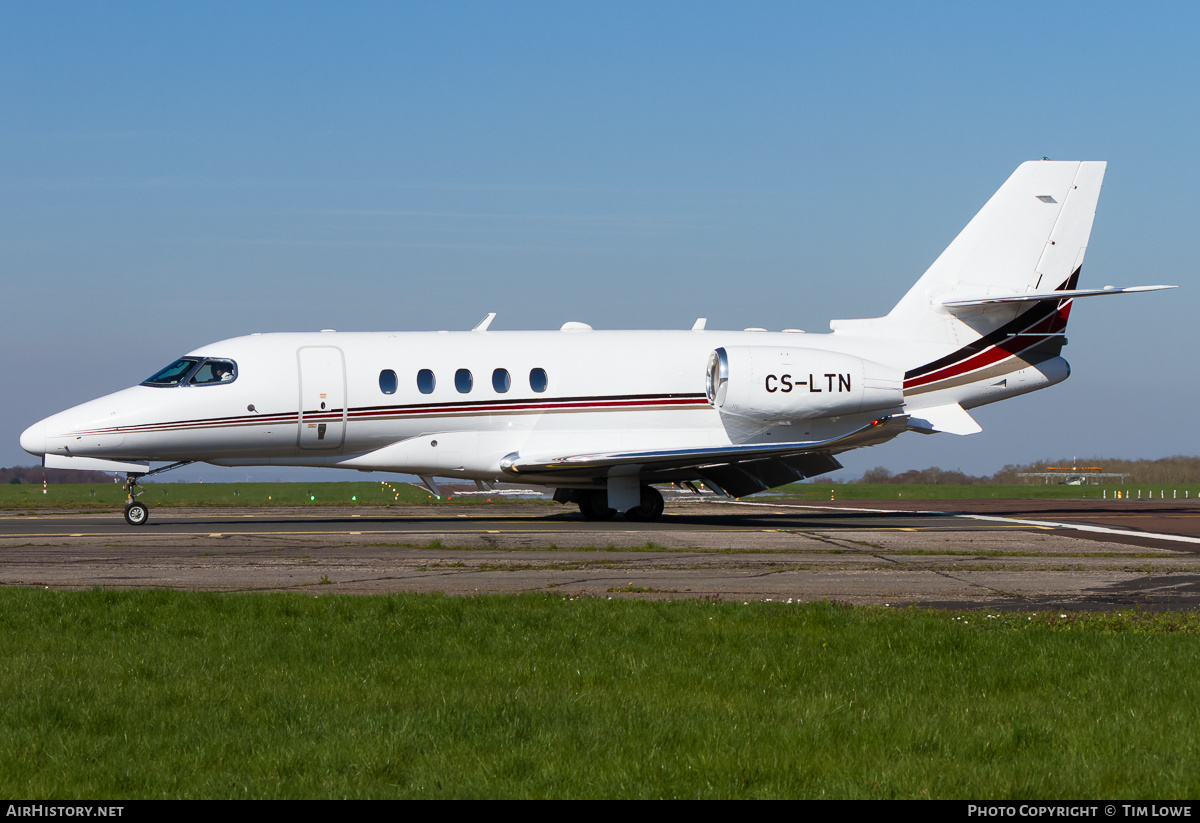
(485, 322)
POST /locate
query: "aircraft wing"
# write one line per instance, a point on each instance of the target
(737, 470)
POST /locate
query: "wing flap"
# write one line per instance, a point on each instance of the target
(747, 478)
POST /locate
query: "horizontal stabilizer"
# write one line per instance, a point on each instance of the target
(1031, 297)
(951, 418)
(92, 464)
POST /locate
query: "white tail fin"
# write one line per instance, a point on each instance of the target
(1029, 237)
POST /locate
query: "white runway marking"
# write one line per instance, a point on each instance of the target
(1178, 538)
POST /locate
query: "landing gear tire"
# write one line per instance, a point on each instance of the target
(136, 514)
(593, 503)
(650, 509)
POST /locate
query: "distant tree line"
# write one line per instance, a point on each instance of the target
(28, 475)
(1178, 469)
(933, 476)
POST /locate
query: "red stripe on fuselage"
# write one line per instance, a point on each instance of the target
(1005, 350)
(423, 410)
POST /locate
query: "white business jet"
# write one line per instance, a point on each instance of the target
(602, 415)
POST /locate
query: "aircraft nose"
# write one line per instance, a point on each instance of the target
(33, 439)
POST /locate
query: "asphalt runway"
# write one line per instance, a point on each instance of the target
(1004, 554)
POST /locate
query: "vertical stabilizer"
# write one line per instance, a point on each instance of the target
(1029, 237)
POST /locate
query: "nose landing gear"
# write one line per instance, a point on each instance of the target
(136, 514)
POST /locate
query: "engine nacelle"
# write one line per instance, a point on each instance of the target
(776, 383)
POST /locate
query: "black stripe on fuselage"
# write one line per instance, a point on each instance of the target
(1037, 314)
(532, 401)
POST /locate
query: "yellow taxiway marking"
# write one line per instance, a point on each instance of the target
(441, 532)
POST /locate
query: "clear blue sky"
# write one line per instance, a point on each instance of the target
(173, 174)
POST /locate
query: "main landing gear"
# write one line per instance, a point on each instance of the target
(593, 504)
(136, 514)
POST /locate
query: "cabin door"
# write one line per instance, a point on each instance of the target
(322, 397)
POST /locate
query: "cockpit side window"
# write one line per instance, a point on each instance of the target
(173, 374)
(214, 371)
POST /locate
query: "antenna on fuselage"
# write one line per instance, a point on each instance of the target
(430, 485)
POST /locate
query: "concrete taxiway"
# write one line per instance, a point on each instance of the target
(965, 554)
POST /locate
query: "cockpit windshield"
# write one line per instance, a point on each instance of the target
(173, 374)
(192, 371)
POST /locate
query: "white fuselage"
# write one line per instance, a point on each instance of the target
(328, 399)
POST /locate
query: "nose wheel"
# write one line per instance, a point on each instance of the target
(136, 513)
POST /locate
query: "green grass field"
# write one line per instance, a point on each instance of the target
(111, 495)
(1023, 492)
(109, 694)
(1031, 491)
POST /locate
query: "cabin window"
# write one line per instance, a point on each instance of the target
(214, 371)
(173, 374)
(388, 381)
(538, 380)
(425, 381)
(501, 381)
(463, 380)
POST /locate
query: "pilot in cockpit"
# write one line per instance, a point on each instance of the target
(213, 371)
